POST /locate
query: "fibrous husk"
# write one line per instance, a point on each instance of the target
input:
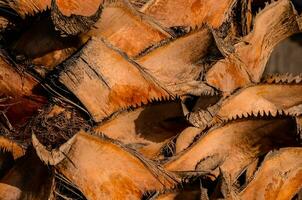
(20, 96)
(246, 64)
(111, 59)
(165, 79)
(106, 81)
(234, 146)
(128, 30)
(146, 129)
(11, 146)
(185, 138)
(55, 124)
(104, 169)
(279, 177)
(73, 17)
(138, 3)
(176, 64)
(190, 192)
(270, 98)
(28, 7)
(193, 13)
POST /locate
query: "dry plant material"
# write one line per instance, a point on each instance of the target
(269, 98)
(138, 3)
(27, 8)
(147, 99)
(176, 64)
(185, 138)
(28, 178)
(246, 64)
(188, 194)
(76, 7)
(144, 79)
(146, 129)
(115, 82)
(43, 47)
(279, 177)
(242, 140)
(19, 94)
(11, 146)
(126, 29)
(189, 13)
(83, 161)
(55, 124)
(73, 17)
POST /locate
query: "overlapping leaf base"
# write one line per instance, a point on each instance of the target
(148, 99)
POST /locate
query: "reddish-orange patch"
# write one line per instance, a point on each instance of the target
(78, 7)
(131, 95)
(21, 97)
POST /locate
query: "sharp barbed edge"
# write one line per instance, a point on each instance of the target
(287, 78)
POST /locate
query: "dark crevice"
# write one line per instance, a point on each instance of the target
(258, 5)
(64, 189)
(6, 162)
(298, 5)
(241, 181)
